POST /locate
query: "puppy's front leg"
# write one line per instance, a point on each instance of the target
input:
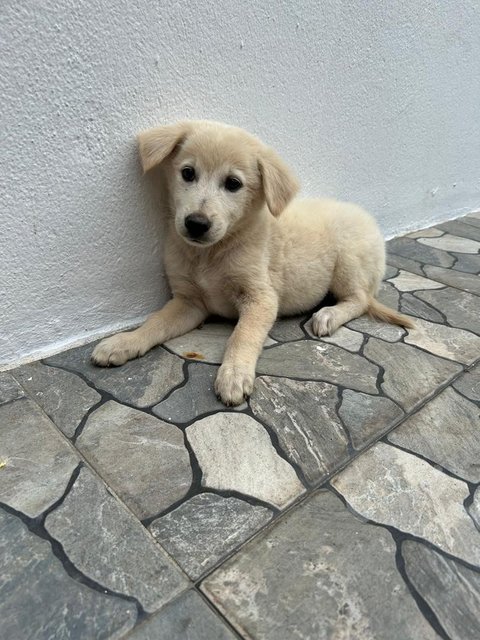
(236, 375)
(177, 317)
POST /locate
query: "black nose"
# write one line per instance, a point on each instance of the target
(197, 225)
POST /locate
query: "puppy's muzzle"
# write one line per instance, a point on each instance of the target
(197, 225)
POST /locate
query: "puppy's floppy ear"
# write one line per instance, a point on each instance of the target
(156, 144)
(279, 184)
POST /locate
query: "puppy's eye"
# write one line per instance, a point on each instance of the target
(188, 174)
(232, 184)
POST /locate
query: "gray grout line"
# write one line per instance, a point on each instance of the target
(219, 613)
(467, 503)
(422, 604)
(81, 425)
(275, 441)
(256, 534)
(148, 617)
(350, 448)
(397, 255)
(420, 456)
(12, 400)
(445, 322)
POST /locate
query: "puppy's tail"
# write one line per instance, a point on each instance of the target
(379, 311)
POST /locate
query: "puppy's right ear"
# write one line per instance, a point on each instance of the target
(156, 144)
(279, 183)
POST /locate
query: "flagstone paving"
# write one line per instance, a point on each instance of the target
(342, 500)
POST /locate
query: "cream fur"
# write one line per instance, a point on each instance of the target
(253, 264)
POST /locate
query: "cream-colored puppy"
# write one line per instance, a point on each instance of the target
(236, 246)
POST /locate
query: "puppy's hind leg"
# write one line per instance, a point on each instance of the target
(329, 319)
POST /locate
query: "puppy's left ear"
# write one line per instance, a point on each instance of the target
(279, 183)
(156, 144)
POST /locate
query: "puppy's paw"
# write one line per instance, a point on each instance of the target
(324, 322)
(116, 350)
(234, 384)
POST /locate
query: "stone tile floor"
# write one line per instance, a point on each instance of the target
(341, 501)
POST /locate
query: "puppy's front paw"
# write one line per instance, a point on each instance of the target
(324, 322)
(234, 384)
(116, 350)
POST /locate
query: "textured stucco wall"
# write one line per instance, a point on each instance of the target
(371, 101)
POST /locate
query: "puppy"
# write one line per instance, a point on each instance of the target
(239, 247)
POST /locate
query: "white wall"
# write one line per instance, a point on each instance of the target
(372, 101)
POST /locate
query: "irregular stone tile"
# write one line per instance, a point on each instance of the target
(419, 251)
(390, 272)
(63, 396)
(320, 573)
(459, 229)
(389, 295)
(388, 332)
(343, 337)
(467, 263)
(392, 487)
(460, 308)
(446, 432)
(431, 232)
(287, 329)
(443, 341)
(469, 222)
(452, 243)
(235, 454)
(9, 388)
(474, 509)
(471, 218)
(39, 600)
(192, 400)
(406, 281)
(451, 590)
(412, 306)
(469, 384)
(318, 361)
(187, 618)
(366, 417)
(108, 545)
(404, 263)
(203, 530)
(466, 281)
(303, 416)
(141, 382)
(37, 462)
(206, 343)
(410, 374)
(142, 458)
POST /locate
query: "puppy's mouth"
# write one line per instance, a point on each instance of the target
(197, 242)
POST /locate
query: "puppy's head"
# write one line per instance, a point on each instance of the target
(217, 175)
